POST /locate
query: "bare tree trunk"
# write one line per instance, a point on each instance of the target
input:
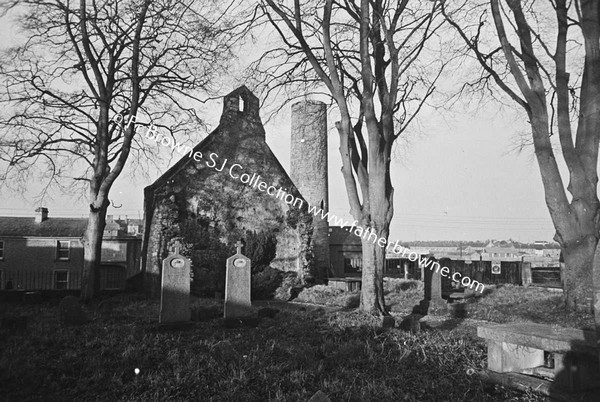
(579, 259)
(596, 295)
(92, 246)
(576, 218)
(380, 194)
(371, 72)
(371, 296)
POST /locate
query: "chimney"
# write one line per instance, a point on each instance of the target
(41, 214)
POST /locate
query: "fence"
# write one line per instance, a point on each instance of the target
(546, 276)
(40, 280)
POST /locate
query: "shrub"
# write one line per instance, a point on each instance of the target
(402, 294)
(290, 286)
(399, 285)
(261, 248)
(206, 282)
(265, 283)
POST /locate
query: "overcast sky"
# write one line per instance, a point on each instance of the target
(453, 181)
(457, 178)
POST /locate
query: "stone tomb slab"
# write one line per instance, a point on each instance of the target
(540, 336)
(521, 347)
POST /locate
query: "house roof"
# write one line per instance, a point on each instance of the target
(11, 226)
(112, 226)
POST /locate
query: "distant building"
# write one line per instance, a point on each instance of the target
(345, 256)
(123, 227)
(496, 262)
(135, 227)
(345, 253)
(41, 252)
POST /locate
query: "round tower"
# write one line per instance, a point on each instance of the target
(309, 172)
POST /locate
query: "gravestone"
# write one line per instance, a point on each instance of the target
(433, 301)
(411, 323)
(526, 277)
(71, 312)
(175, 289)
(237, 285)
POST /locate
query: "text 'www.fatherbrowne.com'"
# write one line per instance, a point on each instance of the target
(236, 172)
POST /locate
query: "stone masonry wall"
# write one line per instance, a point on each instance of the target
(208, 210)
(309, 171)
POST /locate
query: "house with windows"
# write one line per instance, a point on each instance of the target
(40, 252)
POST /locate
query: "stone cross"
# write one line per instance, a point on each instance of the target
(175, 289)
(237, 285)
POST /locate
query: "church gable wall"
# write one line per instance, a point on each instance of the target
(208, 210)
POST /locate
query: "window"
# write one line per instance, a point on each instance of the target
(61, 280)
(63, 250)
(1, 250)
(352, 265)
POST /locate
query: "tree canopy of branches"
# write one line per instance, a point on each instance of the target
(546, 58)
(72, 90)
(367, 57)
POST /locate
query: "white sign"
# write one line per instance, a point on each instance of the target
(496, 267)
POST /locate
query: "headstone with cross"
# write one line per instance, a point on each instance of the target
(175, 289)
(237, 285)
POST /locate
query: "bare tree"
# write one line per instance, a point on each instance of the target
(71, 93)
(547, 60)
(367, 57)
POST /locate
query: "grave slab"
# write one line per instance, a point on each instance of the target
(507, 357)
(521, 347)
(540, 336)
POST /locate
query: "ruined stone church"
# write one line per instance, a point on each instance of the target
(202, 204)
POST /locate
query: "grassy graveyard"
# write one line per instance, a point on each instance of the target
(303, 349)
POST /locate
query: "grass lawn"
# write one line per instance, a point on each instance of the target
(511, 303)
(288, 358)
(506, 303)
